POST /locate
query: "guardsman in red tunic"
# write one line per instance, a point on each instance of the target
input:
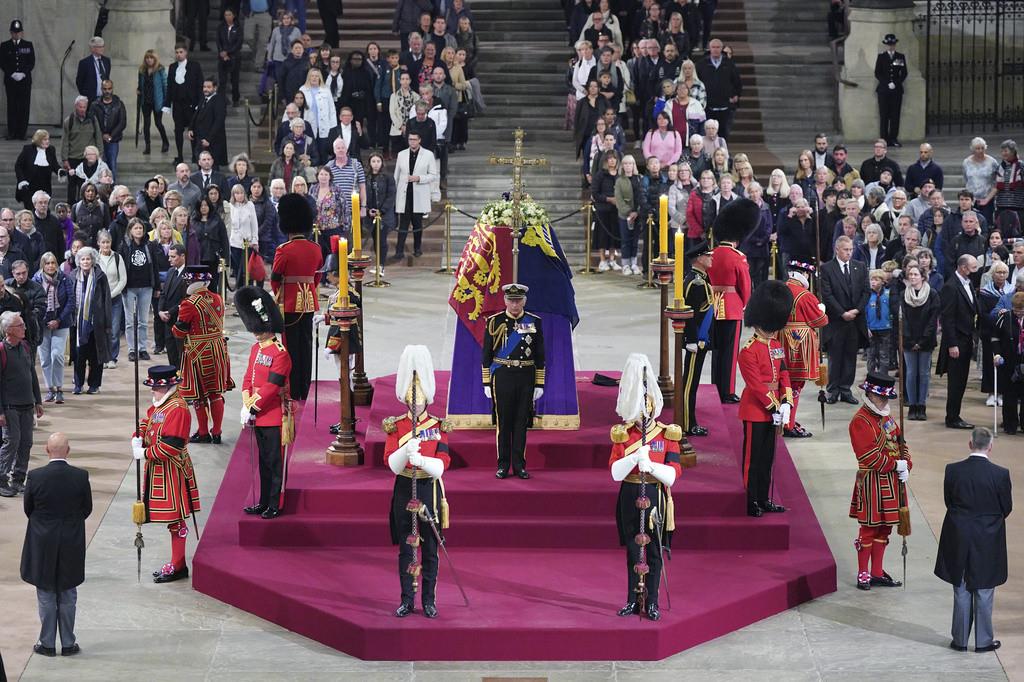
(416, 450)
(883, 467)
(170, 494)
(730, 282)
(801, 340)
(205, 365)
(767, 397)
(295, 281)
(265, 404)
(647, 465)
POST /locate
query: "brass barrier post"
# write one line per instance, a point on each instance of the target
(446, 268)
(588, 211)
(378, 282)
(649, 282)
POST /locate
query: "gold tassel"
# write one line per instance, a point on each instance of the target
(670, 512)
(139, 513)
(903, 529)
(443, 508)
(822, 379)
(287, 427)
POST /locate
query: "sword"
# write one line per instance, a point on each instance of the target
(425, 515)
(659, 524)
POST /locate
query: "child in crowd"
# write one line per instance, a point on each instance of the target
(879, 319)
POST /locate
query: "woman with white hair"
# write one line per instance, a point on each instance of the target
(58, 316)
(35, 167)
(92, 321)
(776, 194)
(92, 166)
(980, 171)
(872, 252)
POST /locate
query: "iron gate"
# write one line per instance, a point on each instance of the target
(974, 65)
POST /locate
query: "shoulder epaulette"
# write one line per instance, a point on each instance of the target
(619, 433)
(491, 317)
(390, 424)
(673, 432)
(447, 426)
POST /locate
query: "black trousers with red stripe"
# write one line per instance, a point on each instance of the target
(758, 458)
(723, 362)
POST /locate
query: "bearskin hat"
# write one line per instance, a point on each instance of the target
(258, 310)
(769, 306)
(294, 214)
(737, 220)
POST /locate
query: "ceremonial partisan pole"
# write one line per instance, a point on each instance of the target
(139, 508)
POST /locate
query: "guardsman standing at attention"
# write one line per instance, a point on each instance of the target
(890, 72)
(205, 365)
(699, 296)
(883, 466)
(169, 493)
(513, 376)
(295, 280)
(730, 282)
(265, 401)
(801, 340)
(17, 59)
(645, 458)
(767, 397)
(416, 450)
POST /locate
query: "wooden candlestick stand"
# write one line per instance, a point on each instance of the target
(362, 390)
(345, 450)
(679, 313)
(662, 267)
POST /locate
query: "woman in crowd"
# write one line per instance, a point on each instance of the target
(401, 103)
(658, 104)
(702, 207)
(321, 114)
(278, 49)
(457, 71)
(35, 167)
(92, 166)
(679, 191)
(217, 200)
(593, 153)
(240, 168)
(804, 174)
(873, 251)
(142, 280)
(920, 309)
(33, 245)
(115, 274)
(150, 91)
(744, 174)
(756, 245)
(695, 115)
(662, 141)
(857, 192)
(584, 62)
(989, 295)
(381, 193)
(466, 40)
(375, 66)
(606, 225)
(357, 91)
(628, 195)
(212, 236)
(712, 140)
(926, 260)
(89, 213)
(430, 60)
(266, 217)
(243, 232)
(161, 238)
(300, 186)
(69, 265)
(180, 223)
(721, 164)
(57, 318)
(285, 165)
(588, 110)
(994, 241)
(980, 174)
(777, 193)
(688, 76)
(330, 210)
(172, 200)
(93, 320)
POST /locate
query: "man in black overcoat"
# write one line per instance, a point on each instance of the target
(58, 500)
(207, 130)
(171, 296)
(844, 291)
(972, 547)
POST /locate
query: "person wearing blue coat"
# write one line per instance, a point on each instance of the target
(152, 93)
(56, 324)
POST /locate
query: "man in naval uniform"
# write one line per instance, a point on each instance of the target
(699, 296)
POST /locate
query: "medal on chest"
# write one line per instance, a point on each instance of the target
(433, 433)
(657, 445)
(264, 360)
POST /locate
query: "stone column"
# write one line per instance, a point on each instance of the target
(870, 20)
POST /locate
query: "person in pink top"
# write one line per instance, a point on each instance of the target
(663, 141)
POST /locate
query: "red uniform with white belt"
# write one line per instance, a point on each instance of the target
(730, 283)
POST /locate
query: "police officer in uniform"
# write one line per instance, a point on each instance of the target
(17, 57)
(890, 72)
(699, 296)
(513, 376)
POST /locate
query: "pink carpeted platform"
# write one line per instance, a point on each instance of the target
(539, 558)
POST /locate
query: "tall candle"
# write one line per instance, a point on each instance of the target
(663, 226)
(357, 231)
(679, 268)
(342, 273)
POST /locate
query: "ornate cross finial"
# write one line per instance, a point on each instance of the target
(517, 161)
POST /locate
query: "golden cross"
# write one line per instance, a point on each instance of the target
(517, 161)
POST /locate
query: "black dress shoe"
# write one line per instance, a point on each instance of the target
(755, 511)
(215, 438)
(955, 647)
(652, 611)
(71, 650)
(630, 609)
(404, 610)
(958, 424)
(697, 431)
(430, 611)
(991, 647)
(177, 160)
(200, 438)
(255, 509)
(524, 474)
(501, 473)
(771, 507)
(171, 577)
(164, 148)
(159, 350)
(335, 428)
(831, 399)
(270, 513)
(7, 491)
(44, 650)
(131, 356)
(849, 399)
(863, 583)
(885, 581)
(731, 399)
(143, 355)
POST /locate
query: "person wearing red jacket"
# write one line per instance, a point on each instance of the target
(416, 450)
(265, 404)
(700, 217)
(645, 460)
(767, 397)
(170, 494)
(801, 340)
(730, 284)
(205, 365)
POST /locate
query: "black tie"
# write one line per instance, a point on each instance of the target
(846, 273)
(206, 180)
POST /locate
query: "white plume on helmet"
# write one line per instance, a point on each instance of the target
(632, 397)
(415, 360)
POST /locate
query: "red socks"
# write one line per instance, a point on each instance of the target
(217, 413)
(870, 544)
(178, 544)
(878, 549)
(201, 421)
(797, 387)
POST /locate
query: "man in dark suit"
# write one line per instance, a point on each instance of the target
(58, 500)
(972, 547)
(844, 291)
(330, 10)
(172, 294)
(721, 78)
(959, 320)
(1009, 359)
(890, 72)
(349, 130)
(93, 70)
(207, 174)
(207, 130)
(229, 52)
(184, 91)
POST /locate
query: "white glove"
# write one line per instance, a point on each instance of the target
(784, 411)
(821, 307)
(416, 459)
(644, 453)
(18, 76)
(901, 465)
(487, 392)
(166, 110)
(328, 352)
(645, 466)
(537, 393)
(138, 452)
(22, 184)
(777, 419)
(691, 348)
(998, 360)
(412, 447)
(318, 319)
(904, 475)
(245, 415)
(892, 86)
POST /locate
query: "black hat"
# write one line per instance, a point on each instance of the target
(698, 249)
(737, 220)
(197, 273)
(769, 306)
(889, 39)
(879, 384)
(515, 291)
(16, 26)
(259, 313)
(294, 214)
(604, 380)
(800, 265)
(162, 376)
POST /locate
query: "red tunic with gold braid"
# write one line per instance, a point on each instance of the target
(664, 441)
(432, 431)
(205, 366)
(876, 494)
(264, 385)
(762, 363)
(730, 281)
(433, 435)
(799, 336)
(170, 493)
(295, 275)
